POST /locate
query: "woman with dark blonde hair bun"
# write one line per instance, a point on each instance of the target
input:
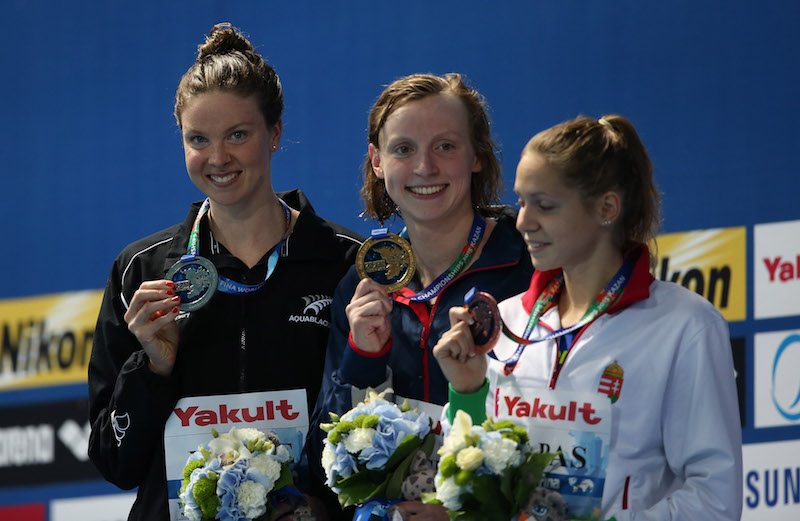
(629, 377)
(431, 162)
(207, 308)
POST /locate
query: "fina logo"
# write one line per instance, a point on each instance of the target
(792, 412)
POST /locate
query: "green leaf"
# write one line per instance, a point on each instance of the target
(529, 474)
(284, 479)
(409, 445)
(495, 506)
(429, 498)
(361, 486)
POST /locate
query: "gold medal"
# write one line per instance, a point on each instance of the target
(387, 259)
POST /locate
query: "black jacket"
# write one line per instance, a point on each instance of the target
(271, 339)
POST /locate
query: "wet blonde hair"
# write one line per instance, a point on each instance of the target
(485, 184)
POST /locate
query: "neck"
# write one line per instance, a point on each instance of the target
(582, 286)
(249, 233)
(436, 247)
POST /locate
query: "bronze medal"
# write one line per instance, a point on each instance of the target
(486, 323)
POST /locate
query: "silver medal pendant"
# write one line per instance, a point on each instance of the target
(195, 279)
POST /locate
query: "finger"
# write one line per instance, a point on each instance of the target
(367, 308)
(152, 317)
(149, 291)
(369, 286)
(460, 314)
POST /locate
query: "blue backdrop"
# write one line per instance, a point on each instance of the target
(92, 158)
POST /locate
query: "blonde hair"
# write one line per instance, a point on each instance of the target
(485, 184)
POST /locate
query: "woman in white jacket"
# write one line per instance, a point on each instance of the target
(630, 377)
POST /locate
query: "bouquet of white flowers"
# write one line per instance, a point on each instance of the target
(369, 450)
(487, 472)
(230, 478)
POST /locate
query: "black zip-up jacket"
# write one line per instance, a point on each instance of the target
(271, 339)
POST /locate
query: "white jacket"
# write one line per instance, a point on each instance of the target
(675, 447)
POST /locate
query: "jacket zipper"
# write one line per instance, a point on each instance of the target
(242, 359)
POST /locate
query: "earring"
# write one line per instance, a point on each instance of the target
(607, 222)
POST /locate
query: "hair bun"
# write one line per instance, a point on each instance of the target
(224, 39)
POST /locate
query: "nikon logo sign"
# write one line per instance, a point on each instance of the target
(709, 262)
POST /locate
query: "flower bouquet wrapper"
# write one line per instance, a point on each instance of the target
(488, 472)
(370, 451)
(237, 476)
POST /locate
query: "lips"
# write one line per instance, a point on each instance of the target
(222, 179)
(426, 190)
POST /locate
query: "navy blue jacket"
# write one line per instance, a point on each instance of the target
(503, 269)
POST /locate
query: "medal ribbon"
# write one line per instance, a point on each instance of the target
(473, 240)
(547, 299)
(227, 285)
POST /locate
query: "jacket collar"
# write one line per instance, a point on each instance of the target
(300, 244)
(637, 289)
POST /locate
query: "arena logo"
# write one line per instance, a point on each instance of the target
(712, 263)
(28, 445)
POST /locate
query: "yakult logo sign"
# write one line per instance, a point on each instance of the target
(777, 387)
(554, 409)
(277, 409)
(223, 414)
(776, 265)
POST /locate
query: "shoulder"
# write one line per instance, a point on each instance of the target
(146, 258)
(672, 307)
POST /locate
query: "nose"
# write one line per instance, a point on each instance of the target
(218, 155)
(426, 163)
(526, 220)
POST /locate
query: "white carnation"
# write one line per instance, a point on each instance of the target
(247, 434)
(469, 458)
(328, 457)
(448, 493)
(252, 499)
(267, 465)
(359, 439)
(501, 454)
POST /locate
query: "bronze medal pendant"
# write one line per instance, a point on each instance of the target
(486, 323)
(195, 279)
(387, 259)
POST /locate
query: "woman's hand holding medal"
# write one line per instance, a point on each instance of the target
(462, 364)
(151, 318)
(368, 315)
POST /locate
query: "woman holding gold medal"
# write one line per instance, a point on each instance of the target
(431, 161)
(629, 377)
(204, 308)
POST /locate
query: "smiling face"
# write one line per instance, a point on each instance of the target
(426, 159)
(227, 145)
(560, 228)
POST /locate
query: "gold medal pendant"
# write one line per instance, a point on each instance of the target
(387, 259)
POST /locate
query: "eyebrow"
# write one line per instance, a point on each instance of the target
(189, 130)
